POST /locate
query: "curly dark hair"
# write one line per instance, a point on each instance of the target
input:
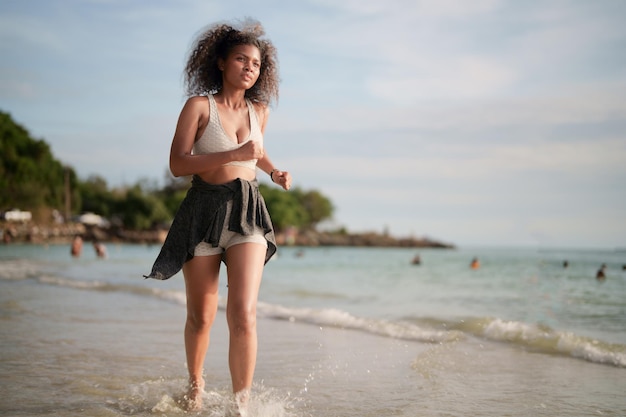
(202, 76)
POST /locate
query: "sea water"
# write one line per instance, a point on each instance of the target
(342, 332)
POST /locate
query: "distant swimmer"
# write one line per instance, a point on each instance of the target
(416, 260)
(77, 246)
(101, 250)
(475, 264)
(600, 275)
(565, 264)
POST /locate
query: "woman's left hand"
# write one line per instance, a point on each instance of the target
(282, 178)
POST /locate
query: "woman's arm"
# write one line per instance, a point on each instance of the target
(191, 117)
(282, 178)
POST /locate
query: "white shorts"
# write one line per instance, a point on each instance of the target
(229, 238)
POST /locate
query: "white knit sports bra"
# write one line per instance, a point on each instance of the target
(214, 138)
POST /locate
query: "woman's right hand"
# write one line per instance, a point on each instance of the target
(249, 150)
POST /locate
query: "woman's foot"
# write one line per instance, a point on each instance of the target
(242, 399)
(192, 401)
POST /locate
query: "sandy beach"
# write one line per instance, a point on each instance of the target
(128, 362)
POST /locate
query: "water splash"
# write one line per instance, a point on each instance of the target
(163, 397)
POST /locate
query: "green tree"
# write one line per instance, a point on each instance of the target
(30, 177)
(317, 206)
(296, 208)
(139, 210)
(96, 197)
(174, 191)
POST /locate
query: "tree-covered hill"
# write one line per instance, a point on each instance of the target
(30, 177)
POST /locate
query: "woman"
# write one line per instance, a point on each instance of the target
(231, 79)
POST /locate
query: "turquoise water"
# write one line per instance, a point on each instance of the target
(343, 331)
(527, 287)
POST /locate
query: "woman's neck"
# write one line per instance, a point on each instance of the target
(233, 99)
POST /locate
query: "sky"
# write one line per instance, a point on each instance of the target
(476, 123)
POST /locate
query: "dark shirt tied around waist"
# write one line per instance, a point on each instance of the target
(201, 216)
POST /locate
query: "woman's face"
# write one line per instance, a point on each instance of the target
(242, 67)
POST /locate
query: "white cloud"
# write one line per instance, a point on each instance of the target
(423, 8)
(472, 162)
(12, 88)
(462, 77)
(29, 31)
(574, 104)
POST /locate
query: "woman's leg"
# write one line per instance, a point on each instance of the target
(201, 284)
(245, 269)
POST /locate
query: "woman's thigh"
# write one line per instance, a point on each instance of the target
(245, 269)
(201, 284)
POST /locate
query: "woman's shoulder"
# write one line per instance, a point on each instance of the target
(197, 104)
(197, 101)
(262, 110)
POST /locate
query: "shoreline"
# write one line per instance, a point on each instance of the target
(30, 232)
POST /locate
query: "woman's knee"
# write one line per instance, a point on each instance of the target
(241, 320)
(200, 320)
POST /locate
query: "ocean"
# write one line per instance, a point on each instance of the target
(342, 332)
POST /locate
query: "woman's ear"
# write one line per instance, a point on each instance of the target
(220, 64)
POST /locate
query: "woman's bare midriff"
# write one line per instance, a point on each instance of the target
(228, 173)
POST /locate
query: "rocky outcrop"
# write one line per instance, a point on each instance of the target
(314, 238)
